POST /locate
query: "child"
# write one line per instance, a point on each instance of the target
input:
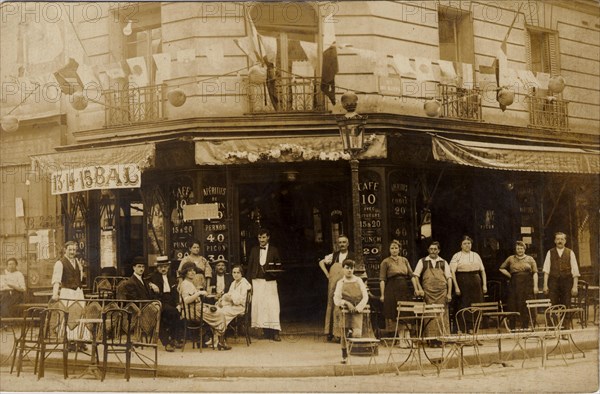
(351, 292)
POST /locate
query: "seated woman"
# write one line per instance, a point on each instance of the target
(351, 292)
(233, 303)
(212, 316)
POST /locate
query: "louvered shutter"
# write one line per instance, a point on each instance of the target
(553, 61)
(528, 49)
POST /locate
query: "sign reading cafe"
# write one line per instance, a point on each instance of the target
(111, 176)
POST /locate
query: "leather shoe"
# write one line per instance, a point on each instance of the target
(170, 348)
(276, 337)
(177, 344)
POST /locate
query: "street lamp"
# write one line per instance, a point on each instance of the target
(352, 130)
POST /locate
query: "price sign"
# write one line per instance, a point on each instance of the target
(216, 242)
(400, 212)
(371, 219)
(182, 230)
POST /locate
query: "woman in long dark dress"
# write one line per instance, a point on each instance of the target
(522, 271)
(394, 276)
(468, 275)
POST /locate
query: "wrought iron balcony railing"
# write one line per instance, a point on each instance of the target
(548, 113)
(287, 94)
(460, 103)
(134, 105)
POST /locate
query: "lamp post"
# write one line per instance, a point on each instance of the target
(352, 128)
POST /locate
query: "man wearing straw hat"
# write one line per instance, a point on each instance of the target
(170, 323)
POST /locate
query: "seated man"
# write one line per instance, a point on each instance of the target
(12, 289)
(222, 279)
(351, 292)
(170, 323)
(136, 288)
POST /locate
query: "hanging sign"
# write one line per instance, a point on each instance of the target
(201, 211)
(111, 176)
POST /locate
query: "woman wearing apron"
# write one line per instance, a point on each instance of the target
(521, 269)
(394, 276)
(468, 276)
(435, 286)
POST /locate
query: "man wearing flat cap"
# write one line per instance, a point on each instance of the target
(222, 278)
(170, 323)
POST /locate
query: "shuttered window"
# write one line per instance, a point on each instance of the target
(542, 51)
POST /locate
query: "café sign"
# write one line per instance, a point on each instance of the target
(110, 176)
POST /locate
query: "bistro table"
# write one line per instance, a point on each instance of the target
(92, 325)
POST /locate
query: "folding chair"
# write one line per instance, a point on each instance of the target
(243, 320)
(554, 316)
(581, 301)
(116, 338)
(534, 306)
(458, 342)
(407, 317)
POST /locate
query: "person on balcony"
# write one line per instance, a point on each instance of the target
(350, 293)
(203, 277)
(12, 289)
(211, 315)
(262, 262)
(331, 265)
(522, 271)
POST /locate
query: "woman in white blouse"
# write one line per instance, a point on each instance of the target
(233, 303)
(468, 275)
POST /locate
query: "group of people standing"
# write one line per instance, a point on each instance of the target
(464, 277)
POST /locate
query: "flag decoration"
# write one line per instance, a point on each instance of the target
(329, 71)
(68, 79)
(424, 69)
(163, 67)
(403, 67)
(139, 71)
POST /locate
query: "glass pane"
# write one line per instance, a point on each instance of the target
(447, 40)
(537, 52)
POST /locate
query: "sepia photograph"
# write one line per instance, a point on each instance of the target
(300, 196)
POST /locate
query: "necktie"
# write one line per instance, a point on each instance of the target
(263, 247)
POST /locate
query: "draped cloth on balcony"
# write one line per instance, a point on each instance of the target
(282, 150)
(512, 157)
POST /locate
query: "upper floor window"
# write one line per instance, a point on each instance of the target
(541, 48)
(146, 38)
(455, 29)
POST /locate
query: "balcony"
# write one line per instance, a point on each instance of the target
(287, 94)
(134, 105)
(548, 113)
(460, 103)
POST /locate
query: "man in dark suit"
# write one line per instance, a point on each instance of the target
(136, 288)
(170, 322)
(262, 261)
(221, 279)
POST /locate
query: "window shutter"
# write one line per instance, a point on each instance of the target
(552, 44)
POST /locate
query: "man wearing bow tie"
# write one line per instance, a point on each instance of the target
(265, 299)
(170, 323)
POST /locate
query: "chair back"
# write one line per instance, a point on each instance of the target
(116, 327)
(410, 307)
(248, 305)
(494, 291)
(148, 323)
(192, 312)
(492, 306)
(535, 305)
(106, 286)
(32, 322)
(469, 319)
(54, 322)
(554, 317)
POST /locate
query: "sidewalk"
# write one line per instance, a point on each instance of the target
(308, 355)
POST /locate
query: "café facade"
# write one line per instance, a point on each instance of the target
(237, 156)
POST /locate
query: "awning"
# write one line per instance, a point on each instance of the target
(511, 157)
(95, 168)
(282, 150)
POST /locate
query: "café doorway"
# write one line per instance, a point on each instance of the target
(304, 218)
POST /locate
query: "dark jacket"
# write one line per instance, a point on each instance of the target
(255, 271)
(133, 289)
(171, 298)
(228, 280)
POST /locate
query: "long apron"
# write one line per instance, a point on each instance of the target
(336, 272)
(470, 292)
(396, 289)
(521, 289)
(435, 288)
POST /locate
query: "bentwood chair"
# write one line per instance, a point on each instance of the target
(193, 323)
(116, 338)
(144, 334)
(28, 341)
(53, 338)
(243, 321)
(549, 330)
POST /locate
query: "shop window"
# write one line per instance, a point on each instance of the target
(288, 42)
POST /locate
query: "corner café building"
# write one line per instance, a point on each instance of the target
(420, 179)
